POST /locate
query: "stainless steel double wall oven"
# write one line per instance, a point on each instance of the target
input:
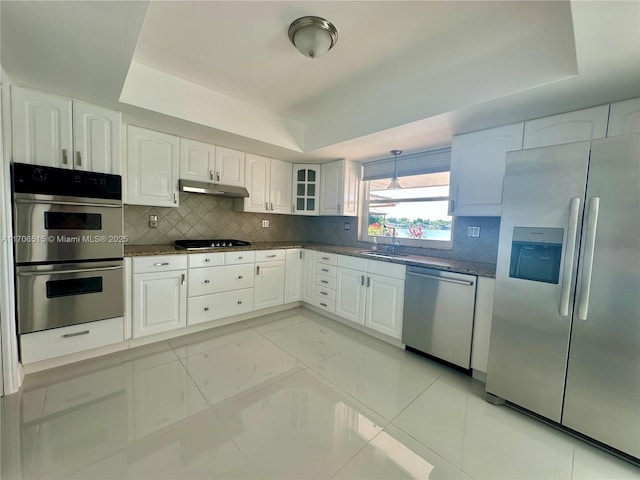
(68, 247)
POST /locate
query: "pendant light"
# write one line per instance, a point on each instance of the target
(313, 36)
(395, 184)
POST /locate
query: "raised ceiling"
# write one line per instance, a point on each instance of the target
(403, 75)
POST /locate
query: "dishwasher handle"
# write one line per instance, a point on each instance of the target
(467, 283)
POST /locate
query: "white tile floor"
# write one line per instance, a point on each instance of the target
(291, 395)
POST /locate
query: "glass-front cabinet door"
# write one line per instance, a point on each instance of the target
(306, 188)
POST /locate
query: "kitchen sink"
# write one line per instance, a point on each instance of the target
(383, 254)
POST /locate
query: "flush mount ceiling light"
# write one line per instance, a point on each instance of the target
(395, 184)
(313, 36)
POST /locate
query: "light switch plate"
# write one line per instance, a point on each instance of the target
(153, 221)
(347, 226)
(265, 223)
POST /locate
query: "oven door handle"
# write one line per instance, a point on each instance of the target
(74, 204)
(60, 272)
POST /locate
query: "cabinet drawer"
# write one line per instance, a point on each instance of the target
(270, 255)
(328, 270)
(327, 258)
(326, 293)
(159, 263)
(325, 304)
(219, 305)
(204, 281)
(324, 281)
(197, 260)
(235, 258)
(393, 270)
(76, 338)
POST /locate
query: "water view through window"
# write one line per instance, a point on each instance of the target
(417, 211)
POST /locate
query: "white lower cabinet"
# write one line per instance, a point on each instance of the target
(269, 283)
(385, 302)
(159, 302)
(293, 278)
(371, 295)
(309, 274)
(76, 338)
(220, 305)
(351, 294)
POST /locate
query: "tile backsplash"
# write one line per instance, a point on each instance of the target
(205, 216)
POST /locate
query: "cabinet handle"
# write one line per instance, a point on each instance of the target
(217, 176)
(207, 260)
(77, 334)
(271, 256)
(258, 270)
(368, 282)
(293, 207)
(211, 174)
(175, 198)
(324, 293)
(163, 264)
(361, 280)
(78, 159)
(441, 279)
(183, 277)
(453, 206)
(323, 304)
(266, 206)
(324, 270)
(338, 207)
(206, 281)
(206, 309)
(300, 254)
(272, 206)
(65, 160)
(325, 258)
(239, 277)
(239, 302)
(240, 258)
(324, 281)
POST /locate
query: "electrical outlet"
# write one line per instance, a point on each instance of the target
(153, 221)
(473, 231)
(347, 226)
(265, 223)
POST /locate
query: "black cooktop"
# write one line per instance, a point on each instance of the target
(205, 244)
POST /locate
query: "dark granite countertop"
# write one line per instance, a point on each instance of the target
(446, 264)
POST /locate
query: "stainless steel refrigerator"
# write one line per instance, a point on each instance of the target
(565, 337)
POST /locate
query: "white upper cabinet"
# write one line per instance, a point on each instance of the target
(477, 169)
(97, 139)
(257, 183)
(280, 187)
(306, 189)
(339, 188)
(229, 167)
(624, 118)
(41, 128)
(44, 127)
(196, 160)
(269, 184)
(153, 167)
(569, 127)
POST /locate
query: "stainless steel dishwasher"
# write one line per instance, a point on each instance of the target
(438, 314)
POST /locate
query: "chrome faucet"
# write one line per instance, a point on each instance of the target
(394, 241)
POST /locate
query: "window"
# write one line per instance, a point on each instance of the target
(417, 214)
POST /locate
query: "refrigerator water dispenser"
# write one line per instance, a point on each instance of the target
(536, 254)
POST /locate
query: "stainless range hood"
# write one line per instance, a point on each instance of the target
(217, 189)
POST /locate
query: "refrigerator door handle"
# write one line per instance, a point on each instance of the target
(570, 251)
(589, 245)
